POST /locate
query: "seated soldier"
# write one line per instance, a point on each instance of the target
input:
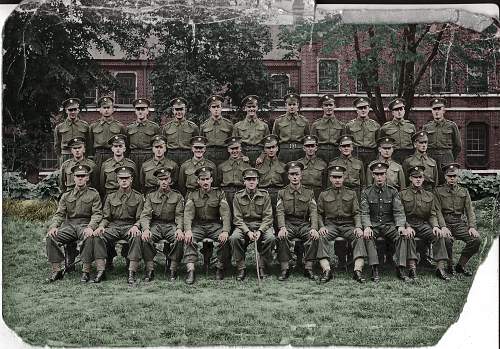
(204, 210)
(78, 214)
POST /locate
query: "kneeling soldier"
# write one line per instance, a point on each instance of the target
(205, 208)
(78, 214)
(121, 212)
(253, 219)
(421, 210)
(297, 218)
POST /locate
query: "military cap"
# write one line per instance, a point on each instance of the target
(291, 97)
(345, 139)
(214, 98)
(395, 103)
(76, 142)
(162, 172)
(124, 171)
(438, 102)
(141, 100)
(117, 139)
(378, 167)
(250, 100)
(385, 141)
(336, 170)
(310, 139)
(157, 140)
(70, 101)
(177, 101)
(417, 136)
(269, 140)
(204, 171)
(327, 99)
(250, 173)
(81, 170)
(451, 169)
(105, 100)
(293, 166)
(361, 101)
(199, 141)
(417, 171)
(232, 142)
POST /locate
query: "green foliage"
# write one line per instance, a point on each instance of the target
(48, 188)
(16, 187)
(32, 210)
(480, 186)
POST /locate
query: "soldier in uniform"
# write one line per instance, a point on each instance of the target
(290, 128)
(251, 129)
(444, 137)
(422, 210)
(161, 219)
(78, 214)
(314, 173)
(121, 212)
(421, 158)
(70, 128)
(400, 130)
(205, 208)
(328, 130)
(108, 182)
(382, 215)
(187, 179)
(141, 132)
(455, 201)
(297, 217)
(66, 181)
(179, 132)
(102, 130)
(216, 129)
(147, 180)
(395, 173)
(253, 219)
(364, 132)
(339, 216)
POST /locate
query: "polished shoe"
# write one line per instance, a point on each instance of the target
(440, 273)
(173, 275)
(412, 274)
(132, 278)
(56, 275)
(375, 276)
(100, 276)
(461, 270)
(326, 276)
(451, 270)
(219, 274)
(190, 277)
(285, 273)
(149, 275)
(308, 273)
(400, 272)
(85, 277)
(242, 273)
(358, 276)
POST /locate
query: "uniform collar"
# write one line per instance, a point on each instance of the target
(291, 190)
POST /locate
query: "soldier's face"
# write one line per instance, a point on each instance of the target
(438, 113)
(159, 150)
(337, 181)
(78, 151)
(295, 177)
(251, 110)
(81, 180)
(398, 112)
(379, 177)
(235, 152)
(216, 109)
(451, 179)
(165, 182)
(72, 110)
(417, 181)
(124, 182)
(310, 149)
(292, 107)
(251, 183)
(198, 151)
(179, 111)
(271, 150)
(328, 108)
(386, 151)
(346, 149)
(141, 111)
(205, 182)
(106, 110)
(421, 145)
(118, 149)
(363, 111)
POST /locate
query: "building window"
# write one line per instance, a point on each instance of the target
(440, 76)
(125, 94)
(280, 85)
(477, 79)
(90, 97)
(328, 75)
(360, 87)
(48, 158)
(476, 139)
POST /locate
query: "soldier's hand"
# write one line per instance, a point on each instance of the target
(223, 236)
(134, 231)
(188, 236)
(245, 158)
(282, 233)
(313, 233)
(146, 235)
(446, 232)
(358, 232)
(323, 231)
(473, 232)
(179, 235)
(256, 235)
(52, 232)
(88, 232)
(409, 233)
(402, 231)
(259, 160)
(99, 231)
(367, 233)
(437, 232)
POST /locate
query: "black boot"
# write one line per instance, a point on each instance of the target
(242, 273)
(326, 276)
(100, 276)
(285, 273)
(400, 272)
(461, 270)
(132, 278)
(440, 273)
(56, 275)
(85, 277)
(375, 276)
(358, 276)
(149, 275)
(190, 277)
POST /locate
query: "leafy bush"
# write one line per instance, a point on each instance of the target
(480, 186)
(33, 210)
(16, 187)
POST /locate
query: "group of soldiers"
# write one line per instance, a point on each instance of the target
(240, 184)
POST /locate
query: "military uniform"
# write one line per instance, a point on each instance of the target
(187, 177)
(395, 174)
(354, 177)
(140, 135)
(314, 174)
(66, 180)
(108, 182)
(431, 170)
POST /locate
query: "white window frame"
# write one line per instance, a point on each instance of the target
(317, 75)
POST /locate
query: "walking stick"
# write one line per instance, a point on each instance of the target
(257, 262)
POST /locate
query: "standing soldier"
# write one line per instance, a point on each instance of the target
(400, 130)
(147, 180)
(364, 132)
(162, 219)
(354, 177)
(395, 173)
(328, 130)
(108, 182)
(121, 212)
(78, 214)
(382, 215)
(141, 132)
(66, 180)
(444, 137)
(102, 130)
(290, 129)
(339, 216)
(297, 217)
(455, 201)
(216, 129)
(70, 128)
(314, 173)
(253, 219)
(251, 129)
(421, 158)
(421, 210)
(187, 179)
(179, 132)
(204, 210)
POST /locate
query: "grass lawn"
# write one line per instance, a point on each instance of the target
(297, 312)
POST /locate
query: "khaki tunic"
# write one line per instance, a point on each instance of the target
(122, 206)
(328, 130)
(314, 175)
(420, 206)
(216, 131)
(290, 128)
(395, 175)
(67, 130)
(251, 131)
(431, 173)
(66, 180)
(401, 131)
(108, 181)
(381, 205)
(255, 209)
(296, 204)
(455, 201)
(364, 132)
(340, 206)
(272, 173)
(148, 181)
(179, 134)
(187, 179)
(102, 130)
(444, 135)
(163, 207)
(140, 134)
(355, 174)
(230, 172)
(207, 207)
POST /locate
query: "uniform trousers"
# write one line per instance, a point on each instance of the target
(265, 244)
(297, 229)
(71, 231)
(211, 230)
